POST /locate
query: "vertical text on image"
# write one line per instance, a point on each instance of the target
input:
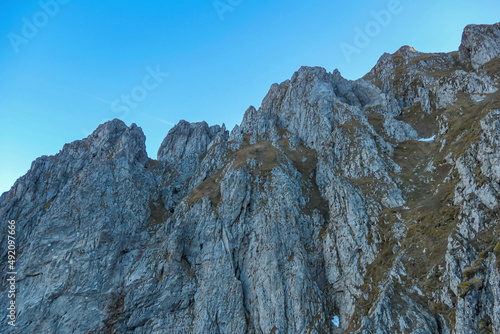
(11, 272)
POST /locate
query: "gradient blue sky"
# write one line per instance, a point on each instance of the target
(58, 84)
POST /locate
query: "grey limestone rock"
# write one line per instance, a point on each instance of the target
(374, 202)
(480, 44)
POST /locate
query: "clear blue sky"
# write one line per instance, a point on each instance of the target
(65, 69)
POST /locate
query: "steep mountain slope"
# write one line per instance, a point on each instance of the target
(373, 200)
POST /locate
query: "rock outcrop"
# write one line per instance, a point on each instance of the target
(480, 44)
(372, 202)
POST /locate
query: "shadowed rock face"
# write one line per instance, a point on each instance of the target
(323, 204)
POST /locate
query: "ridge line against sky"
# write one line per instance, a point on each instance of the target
(68, 66)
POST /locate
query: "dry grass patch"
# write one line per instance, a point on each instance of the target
(209, 187)
(425, 124)
(377, 121)
(158, 214)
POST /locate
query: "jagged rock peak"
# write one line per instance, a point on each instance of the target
(112, 125)
(112, 142)
(480, 44)
(408, 51)
(187, 138)
(112, 138)
(115, 137)
(110, 132)
(249, 117)
(307, 72)
(388, 60)
(318, 74)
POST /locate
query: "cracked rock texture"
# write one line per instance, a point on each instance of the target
(324, 202)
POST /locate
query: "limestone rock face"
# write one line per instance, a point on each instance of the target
(374, 202)
(186, 142)
(480, 44)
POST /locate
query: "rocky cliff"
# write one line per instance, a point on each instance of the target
(372, 202)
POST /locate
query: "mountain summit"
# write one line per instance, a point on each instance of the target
(367, 206)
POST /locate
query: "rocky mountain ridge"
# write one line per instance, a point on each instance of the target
(374, 201)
